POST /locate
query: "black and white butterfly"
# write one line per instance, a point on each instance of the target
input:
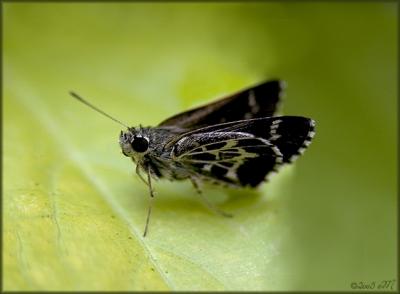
(236, 141)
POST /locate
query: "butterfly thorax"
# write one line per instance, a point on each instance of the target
(148, 147)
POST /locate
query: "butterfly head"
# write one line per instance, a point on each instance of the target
(134, 142)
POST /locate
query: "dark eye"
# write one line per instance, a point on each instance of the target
(140, 144)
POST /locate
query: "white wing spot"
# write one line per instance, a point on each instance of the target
(231, 174)
(273, 129)
(253, 103)
(301, 150)
(207, 167)
(277, 153)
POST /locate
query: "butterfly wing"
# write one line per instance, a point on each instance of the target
(227, 157)
(258, 101)
(243, 153)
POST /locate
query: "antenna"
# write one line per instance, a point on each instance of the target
(79, 98)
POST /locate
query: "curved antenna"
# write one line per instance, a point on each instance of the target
(79, 98)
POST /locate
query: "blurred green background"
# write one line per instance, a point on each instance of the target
(73, 211)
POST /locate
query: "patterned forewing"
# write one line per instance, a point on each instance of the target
(290, 134)
(233, 158)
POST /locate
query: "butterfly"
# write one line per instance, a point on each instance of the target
(236, 141)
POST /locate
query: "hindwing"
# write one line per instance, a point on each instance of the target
(258, 101)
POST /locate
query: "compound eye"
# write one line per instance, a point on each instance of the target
(140, 144)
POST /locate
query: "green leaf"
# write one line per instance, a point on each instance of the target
(73, 209)
(73, 222)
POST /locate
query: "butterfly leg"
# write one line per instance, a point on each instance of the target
(150, 202)
(196, 185)
(210, 206)
(140, 175)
